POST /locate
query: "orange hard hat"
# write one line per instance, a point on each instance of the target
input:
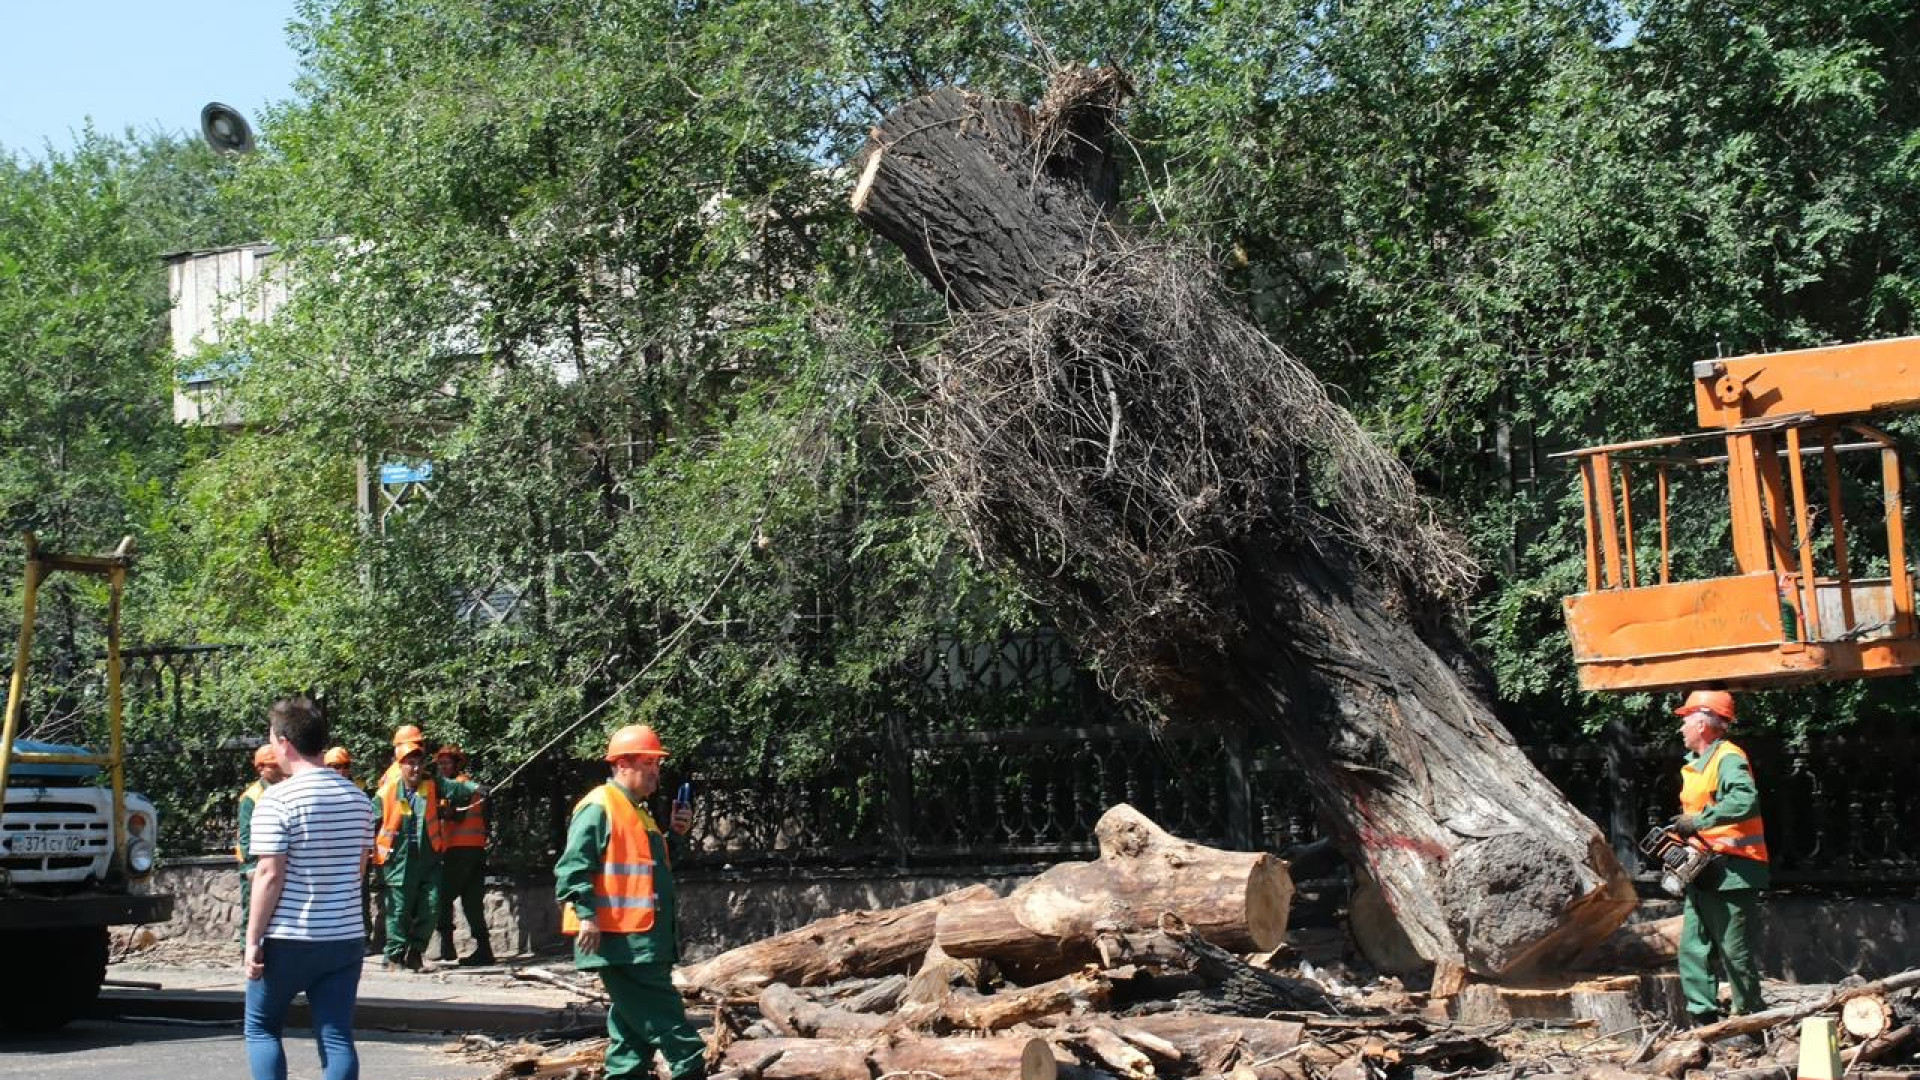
(265, 756)
(635, 739)
(407, 733)
(338, 755)
(449, 750)
(1717, 702)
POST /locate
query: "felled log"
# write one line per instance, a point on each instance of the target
(1635, 946)
(883, 996)
(1213, 1044)
(1051, 924)
(798, 1017)
(851, 945)
(1109, 1049)
(965, 1010)
(1750, 1023)
(1194, 509)
(938, 975)
(836, 1059)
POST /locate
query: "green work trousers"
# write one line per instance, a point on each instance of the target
(463, 879)
(246, 901)
(1717, 932)
(647, 1015)
(413, 898)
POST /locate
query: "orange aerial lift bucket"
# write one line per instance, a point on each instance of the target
(1792, 612)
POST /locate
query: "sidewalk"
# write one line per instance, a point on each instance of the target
(203, 988)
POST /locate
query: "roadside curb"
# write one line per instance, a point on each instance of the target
(372, 1013)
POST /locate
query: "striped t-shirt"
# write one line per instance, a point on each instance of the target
(324, 825)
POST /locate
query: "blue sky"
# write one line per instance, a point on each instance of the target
(145, 64)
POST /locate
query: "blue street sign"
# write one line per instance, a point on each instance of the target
(396, 473)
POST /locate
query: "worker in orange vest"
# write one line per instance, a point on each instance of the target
(267, 772)
(1720, 811)
(340, 760)
(615, 884)
(407, 845)
(463, 872)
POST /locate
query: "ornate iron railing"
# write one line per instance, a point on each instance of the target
(1007, 755)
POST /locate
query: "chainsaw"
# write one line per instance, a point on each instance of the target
(1681, 863)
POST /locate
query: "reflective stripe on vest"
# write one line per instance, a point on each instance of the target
(396, 808)
(470, 829)
(623, 894)
(1746, 839)
(254, 794)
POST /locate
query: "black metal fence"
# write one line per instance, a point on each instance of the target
(987, 765)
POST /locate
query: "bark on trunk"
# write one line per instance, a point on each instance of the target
(1636, 946)
(1051, 924)
(800, 1018)
(856, 944)
(1207, 1043)
(966, 1010)
(1475, 852)
(831, 1059)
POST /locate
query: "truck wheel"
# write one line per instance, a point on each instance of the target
(58, 977)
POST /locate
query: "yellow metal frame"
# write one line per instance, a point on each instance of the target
(40, 566)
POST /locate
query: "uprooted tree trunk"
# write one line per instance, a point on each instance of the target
(1203, 519)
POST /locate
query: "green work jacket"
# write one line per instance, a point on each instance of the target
(587, 837)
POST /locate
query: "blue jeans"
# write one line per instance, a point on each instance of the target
(329, 971)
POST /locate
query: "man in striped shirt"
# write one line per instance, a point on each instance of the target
(311, 834)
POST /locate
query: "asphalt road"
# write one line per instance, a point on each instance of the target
(161, 1050)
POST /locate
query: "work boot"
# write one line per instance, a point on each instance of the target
(413, 961)
(481, 957)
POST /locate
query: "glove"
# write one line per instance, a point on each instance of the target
(1685, 825)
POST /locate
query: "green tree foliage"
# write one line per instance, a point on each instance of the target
(1509, 229)
(593, 263)
(592, 268)
(89, 448)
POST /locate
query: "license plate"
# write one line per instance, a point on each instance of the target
(46, 844)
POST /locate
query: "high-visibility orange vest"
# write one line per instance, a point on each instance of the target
(470, 830)
(395, 809)
(623, 897)
(258, 789)
(1746, 839)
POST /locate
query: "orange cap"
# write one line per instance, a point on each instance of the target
(635, 739)
(1717, 702)
(405, 750)
(265, 756)
(407, 734)
(451, 750)
(338, 756)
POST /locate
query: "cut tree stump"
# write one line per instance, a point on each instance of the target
(1290, 628)
(1052, 924)
(858, 943)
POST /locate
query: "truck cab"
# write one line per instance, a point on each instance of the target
(77, 850)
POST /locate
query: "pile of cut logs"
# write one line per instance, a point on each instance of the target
(1160, 958)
